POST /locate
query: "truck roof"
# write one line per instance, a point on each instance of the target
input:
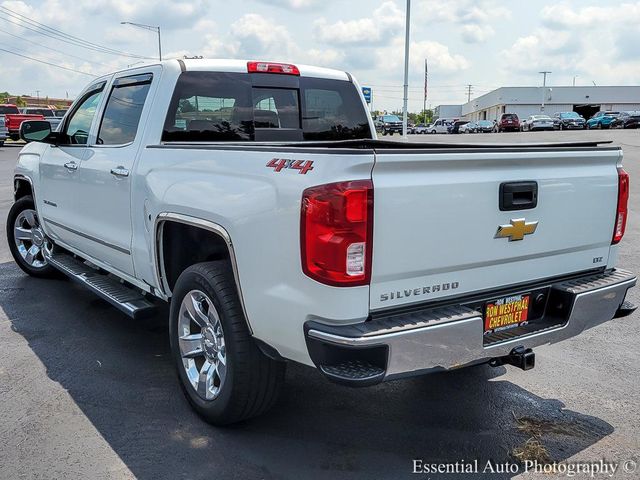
(240, 66)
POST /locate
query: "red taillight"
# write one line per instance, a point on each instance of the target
(336, 233)
(621, 211)
(271, 67)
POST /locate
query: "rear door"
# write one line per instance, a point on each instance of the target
(438, 217)
(104, 176)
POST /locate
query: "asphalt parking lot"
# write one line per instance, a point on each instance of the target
(87, 393)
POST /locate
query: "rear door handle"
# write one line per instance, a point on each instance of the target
(72, 166)
(120, 172)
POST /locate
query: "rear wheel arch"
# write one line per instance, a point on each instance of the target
(183, 241)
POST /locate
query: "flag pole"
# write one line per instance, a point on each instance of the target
(424, 107)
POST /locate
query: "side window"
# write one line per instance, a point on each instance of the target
(124, 108)
(210, 107)
(79, 124)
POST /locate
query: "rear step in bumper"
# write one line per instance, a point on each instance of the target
(451, 337)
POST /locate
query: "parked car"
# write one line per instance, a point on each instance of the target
(537, 122)
(568, 121)
(508, 122)
(484, 126)
(4, 133)
(626, 120)
(48, 114)
(419, 129)
(441, 125)
(13, 119)
(265, 249)
(469, 127)
(389, 124)
(455, 126)
(60, 112)
(602, 119)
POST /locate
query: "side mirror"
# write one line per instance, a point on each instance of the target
(37, 131)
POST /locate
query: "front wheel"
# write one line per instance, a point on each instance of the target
(223, 373)
(27, 240)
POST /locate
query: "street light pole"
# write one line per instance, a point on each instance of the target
(406, 72)
(574, 79)
(150, 28)
(544, 88)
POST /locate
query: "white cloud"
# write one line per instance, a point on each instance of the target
(167, 13)
(386, 21)
(476, 34)
(254, 36)
(440, 58)
(473, 18)
(567, 53)
(566, 17)
(296, 4)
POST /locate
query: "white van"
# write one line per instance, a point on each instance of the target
(441, 125)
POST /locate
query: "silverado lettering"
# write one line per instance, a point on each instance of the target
(418, 291)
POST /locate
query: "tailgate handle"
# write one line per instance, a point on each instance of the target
(518, 196)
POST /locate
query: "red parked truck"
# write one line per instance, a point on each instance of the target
(13, 119)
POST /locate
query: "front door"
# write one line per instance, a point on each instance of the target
(58, 199)
(104, 176)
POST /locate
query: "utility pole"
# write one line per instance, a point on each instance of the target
(150, 28)
(38, 97)
(469, 87)
(424, 106)
(544, 88)
(406, 72)
(574, 79)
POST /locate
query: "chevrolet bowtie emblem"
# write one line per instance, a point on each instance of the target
(516, 230)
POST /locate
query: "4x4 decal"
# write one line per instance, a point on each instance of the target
(303, 166)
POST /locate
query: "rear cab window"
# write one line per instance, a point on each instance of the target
(232, 107)
(8, 110)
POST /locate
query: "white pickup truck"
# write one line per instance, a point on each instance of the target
(256, 199)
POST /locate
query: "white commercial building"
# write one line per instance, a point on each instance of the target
(525, 101)
(447, 111)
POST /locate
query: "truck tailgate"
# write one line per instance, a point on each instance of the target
(437, 216)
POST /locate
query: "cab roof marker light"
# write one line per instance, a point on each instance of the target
(272, 67)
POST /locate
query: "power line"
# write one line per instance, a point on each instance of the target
(56, 34)
(66, 54)
(47, 63)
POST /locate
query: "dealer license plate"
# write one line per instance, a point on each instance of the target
(507, 312)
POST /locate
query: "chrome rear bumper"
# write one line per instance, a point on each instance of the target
(450, 337)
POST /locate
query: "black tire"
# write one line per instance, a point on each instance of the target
(384, 132)
(253, 381)
(45, 271)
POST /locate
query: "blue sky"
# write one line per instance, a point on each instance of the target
(485, 43)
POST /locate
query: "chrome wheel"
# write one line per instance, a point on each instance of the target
(30, 240)
(202, 345)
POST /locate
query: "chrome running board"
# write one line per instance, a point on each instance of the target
(126, 299)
